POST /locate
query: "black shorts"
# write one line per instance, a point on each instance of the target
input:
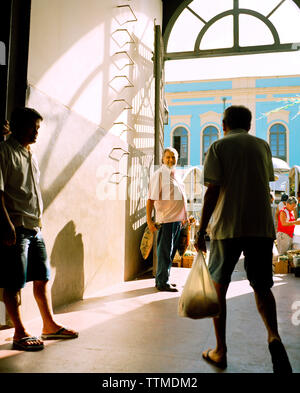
(258, 252)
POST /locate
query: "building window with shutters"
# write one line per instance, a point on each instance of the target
(210, 134)
(181, 143)
(277, 141)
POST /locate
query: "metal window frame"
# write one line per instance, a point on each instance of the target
(236, 49)
(276, 133)
(185, 159)
(209, 137)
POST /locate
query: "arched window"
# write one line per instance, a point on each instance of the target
(278, 141)
(197, 29)
(180, 143)
(210, 134)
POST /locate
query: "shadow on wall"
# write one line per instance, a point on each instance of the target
(67, 258)
(140, 159)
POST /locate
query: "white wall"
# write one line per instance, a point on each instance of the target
(92, 226)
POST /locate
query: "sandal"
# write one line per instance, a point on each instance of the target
(23, 344)
(62, 333)
(221, 364)
(280, 360)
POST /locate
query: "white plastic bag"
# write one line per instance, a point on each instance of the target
(199, 298)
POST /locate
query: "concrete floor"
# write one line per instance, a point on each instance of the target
(132, 328)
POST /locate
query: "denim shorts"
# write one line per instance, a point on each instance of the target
(258, 253)
(25, 261)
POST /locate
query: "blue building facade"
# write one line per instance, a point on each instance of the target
(196, 108)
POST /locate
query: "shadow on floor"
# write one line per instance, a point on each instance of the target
(139, 331)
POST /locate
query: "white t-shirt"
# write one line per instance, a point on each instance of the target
(242, 165)
(19, 180)
(167, 192)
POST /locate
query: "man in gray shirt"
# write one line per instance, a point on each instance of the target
(22, 248)
(237, 171)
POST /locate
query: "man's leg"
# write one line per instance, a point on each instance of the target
(40, 274)
(259, 274)
(266, 306)
(164, 250)
(218, 355)
(224, 254)
(49, 325)
(164, 240)
(42, 300)
(176, 228)
(14, 278)
(12, 304)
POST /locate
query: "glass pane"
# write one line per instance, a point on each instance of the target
(210, 130)
(281, 139)
(208, 9)
(184, 32)
(253, 31)
(176, 143)
(264, 7)
(273, 143)
(277, 128)
(286, 20)
(184, 139)
(219, 35)
(206, 143)
(180, 131)
(278, 141)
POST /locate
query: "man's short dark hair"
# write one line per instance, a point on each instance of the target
(284, 197)
(237, 117)
(23, 117)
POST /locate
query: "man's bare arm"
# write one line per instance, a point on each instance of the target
(210, 200)
(287, 223)
(7, 229)
(149, 208)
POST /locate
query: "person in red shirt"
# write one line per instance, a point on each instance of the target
(286, 226)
